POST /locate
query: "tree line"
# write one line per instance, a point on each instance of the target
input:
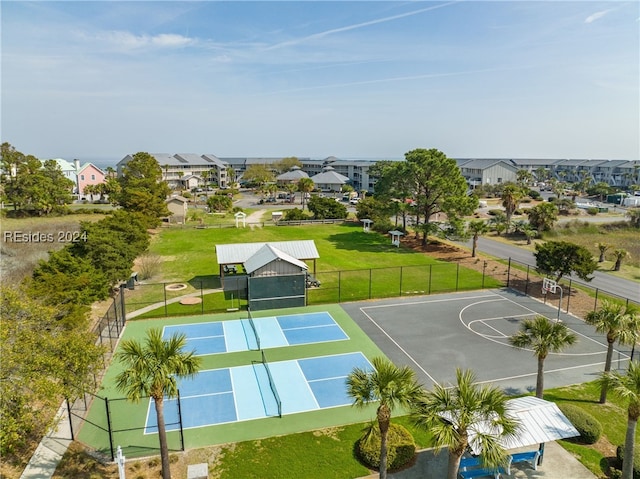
(48, 349)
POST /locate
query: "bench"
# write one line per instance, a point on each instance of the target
(529, 456)
(230, 269)
(471, 467)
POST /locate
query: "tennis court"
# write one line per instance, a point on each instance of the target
(218, 337)
(260, 390)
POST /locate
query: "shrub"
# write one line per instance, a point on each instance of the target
(533, 194)
(149, 264)
(588, 426)
(401, 447)
(495, 212)
(592, 210)
(383, 226)
(636, 460)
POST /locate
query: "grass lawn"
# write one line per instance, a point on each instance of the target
(353, 265)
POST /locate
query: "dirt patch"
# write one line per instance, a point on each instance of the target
(579, 302)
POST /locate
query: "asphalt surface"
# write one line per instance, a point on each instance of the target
(601, 280)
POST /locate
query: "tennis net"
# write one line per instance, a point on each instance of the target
(272, 384)
(253, 327)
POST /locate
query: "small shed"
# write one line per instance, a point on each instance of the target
(177, 205)
(366, 225)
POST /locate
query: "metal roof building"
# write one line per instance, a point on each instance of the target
(540, 421)
(239, 253)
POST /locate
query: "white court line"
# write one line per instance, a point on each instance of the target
(310, 327)
(398, 346)
(546, 371)
(427, 301)
(577, 332)
(297, 361)
(500, 333)
(492, 338)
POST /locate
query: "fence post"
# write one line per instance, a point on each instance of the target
(180, 421)
(526, 283)
(370, 281)
(71, 419)
(457, 275)
(509, 272)
(401, 270)
(106, 405)
(202, 299)
(164, 290)
(569, 295)
(122, 305)
(430, 269)
(595, 304)
(339, 285)
(484, 269)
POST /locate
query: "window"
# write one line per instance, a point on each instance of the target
(82, 177)
(93, 177)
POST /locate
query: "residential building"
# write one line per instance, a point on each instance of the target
(89, 174)
(479, 172)
(180, 168)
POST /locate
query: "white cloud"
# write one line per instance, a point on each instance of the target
(129, 41)
(596, 16)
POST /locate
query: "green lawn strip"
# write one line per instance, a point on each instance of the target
(319, 454)
(133, 415)
(347, 286)
(612, 416)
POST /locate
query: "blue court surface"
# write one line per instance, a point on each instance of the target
(270, 332)
(243, 393)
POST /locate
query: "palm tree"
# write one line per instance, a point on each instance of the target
(602, 248)
(151, 368)
(476, 228)
(543, 337)
(455, 417)
(305, 185)
(619, 254)
(529, 232)
(619, 324)
(499, 222)
(392, 387)
(626, 387)
(511, 196)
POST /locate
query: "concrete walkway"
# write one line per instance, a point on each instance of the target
(49, 452)
(557, 464)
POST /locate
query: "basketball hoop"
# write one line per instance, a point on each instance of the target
(548, 286)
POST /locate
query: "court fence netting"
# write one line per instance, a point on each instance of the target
(335, 287)
(149, 300)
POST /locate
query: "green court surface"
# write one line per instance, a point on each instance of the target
(128, 420)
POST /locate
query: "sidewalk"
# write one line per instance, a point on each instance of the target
(557, 464)
(45, 459)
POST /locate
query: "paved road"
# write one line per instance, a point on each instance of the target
(606, 282)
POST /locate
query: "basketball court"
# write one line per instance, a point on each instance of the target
(437, 334)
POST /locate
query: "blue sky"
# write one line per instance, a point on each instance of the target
(519, 79)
